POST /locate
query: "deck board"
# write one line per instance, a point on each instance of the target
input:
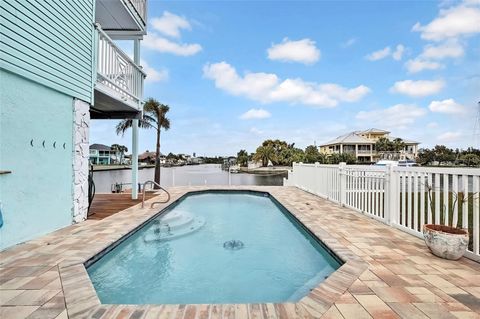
(105, 205)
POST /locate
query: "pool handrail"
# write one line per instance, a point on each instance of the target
(161, 188)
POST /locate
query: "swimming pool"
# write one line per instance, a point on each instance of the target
(214, 247)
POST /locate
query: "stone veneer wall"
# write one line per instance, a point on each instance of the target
(81, 117)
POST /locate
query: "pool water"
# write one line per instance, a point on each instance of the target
(214, 247)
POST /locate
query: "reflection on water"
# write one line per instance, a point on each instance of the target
(208, 174)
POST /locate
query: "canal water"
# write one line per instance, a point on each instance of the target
(208, 174)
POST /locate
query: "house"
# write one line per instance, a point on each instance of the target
(362, 145)
(59, 68)
(197, 160)
(150, 157)
(103, 155)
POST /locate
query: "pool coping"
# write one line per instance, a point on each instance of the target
(81, 299)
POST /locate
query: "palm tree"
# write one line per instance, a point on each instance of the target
(383, 144)
(265, 154)
(154, 116)
(122, 149)
(398, 144)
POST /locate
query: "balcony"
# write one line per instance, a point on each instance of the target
(119, 82)
(122, 19)
(364, 152)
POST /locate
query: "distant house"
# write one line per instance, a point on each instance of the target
(197, 160)
(103, 155)
(362, 145)
(148, 157)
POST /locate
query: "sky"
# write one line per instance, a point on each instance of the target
(235, 73)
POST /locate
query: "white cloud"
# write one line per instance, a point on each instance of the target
(380, 54)
(449, 136)
(449, 28)
(419, 88)
(399, 51)
(432, 125)
(163, 45)
(348, 43)
(447, 106)
(255, 114)
(154, 75)
(418, 64)
(397, 116)
(170, 24)
(449, 49)
(454, 22)
(268, 88)
(303, 51)
(396, 54)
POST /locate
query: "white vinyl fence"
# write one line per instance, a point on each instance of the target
(403, 197)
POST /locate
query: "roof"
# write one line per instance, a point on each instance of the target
(391, 138)
(374, 130)
(100, 147)
(355, 138)
(352, 137)
(147, 154)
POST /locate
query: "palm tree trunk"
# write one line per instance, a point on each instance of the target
(157, 161)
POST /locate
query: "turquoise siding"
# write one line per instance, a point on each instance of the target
(37, 197)
(50, 42)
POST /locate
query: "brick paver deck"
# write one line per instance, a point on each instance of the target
(387, 274)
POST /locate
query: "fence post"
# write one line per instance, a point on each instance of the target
(290, 180)
(342, 189)
(390, 196)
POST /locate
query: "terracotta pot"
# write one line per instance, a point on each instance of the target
(445, 241)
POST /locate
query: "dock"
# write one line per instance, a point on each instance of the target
(105, 205)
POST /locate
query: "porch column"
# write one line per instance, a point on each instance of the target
(136, 59)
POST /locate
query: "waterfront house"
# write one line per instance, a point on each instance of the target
(197, 160)
(104, 155)
(362, 145)
(150, 157)
(60, 67)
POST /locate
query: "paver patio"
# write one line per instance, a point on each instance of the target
(387, 274)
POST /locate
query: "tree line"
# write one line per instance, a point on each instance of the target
(442, 155)
(284, 154)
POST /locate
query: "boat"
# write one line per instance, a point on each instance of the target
(386, 163)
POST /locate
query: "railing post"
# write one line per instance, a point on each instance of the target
(391, 193)
(343, 183)
(136, 56)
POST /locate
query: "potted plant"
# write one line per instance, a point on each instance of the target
(447, 241)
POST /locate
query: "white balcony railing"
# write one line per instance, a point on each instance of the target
(364, 152)
(117, 74)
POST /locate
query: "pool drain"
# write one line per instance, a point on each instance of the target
(233, 245)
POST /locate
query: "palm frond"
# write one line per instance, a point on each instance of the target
(123, 126)
(154, 116)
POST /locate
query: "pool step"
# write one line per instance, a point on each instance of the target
(173, 226)
(173, 216)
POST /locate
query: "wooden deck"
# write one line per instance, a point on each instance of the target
(105, 205)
